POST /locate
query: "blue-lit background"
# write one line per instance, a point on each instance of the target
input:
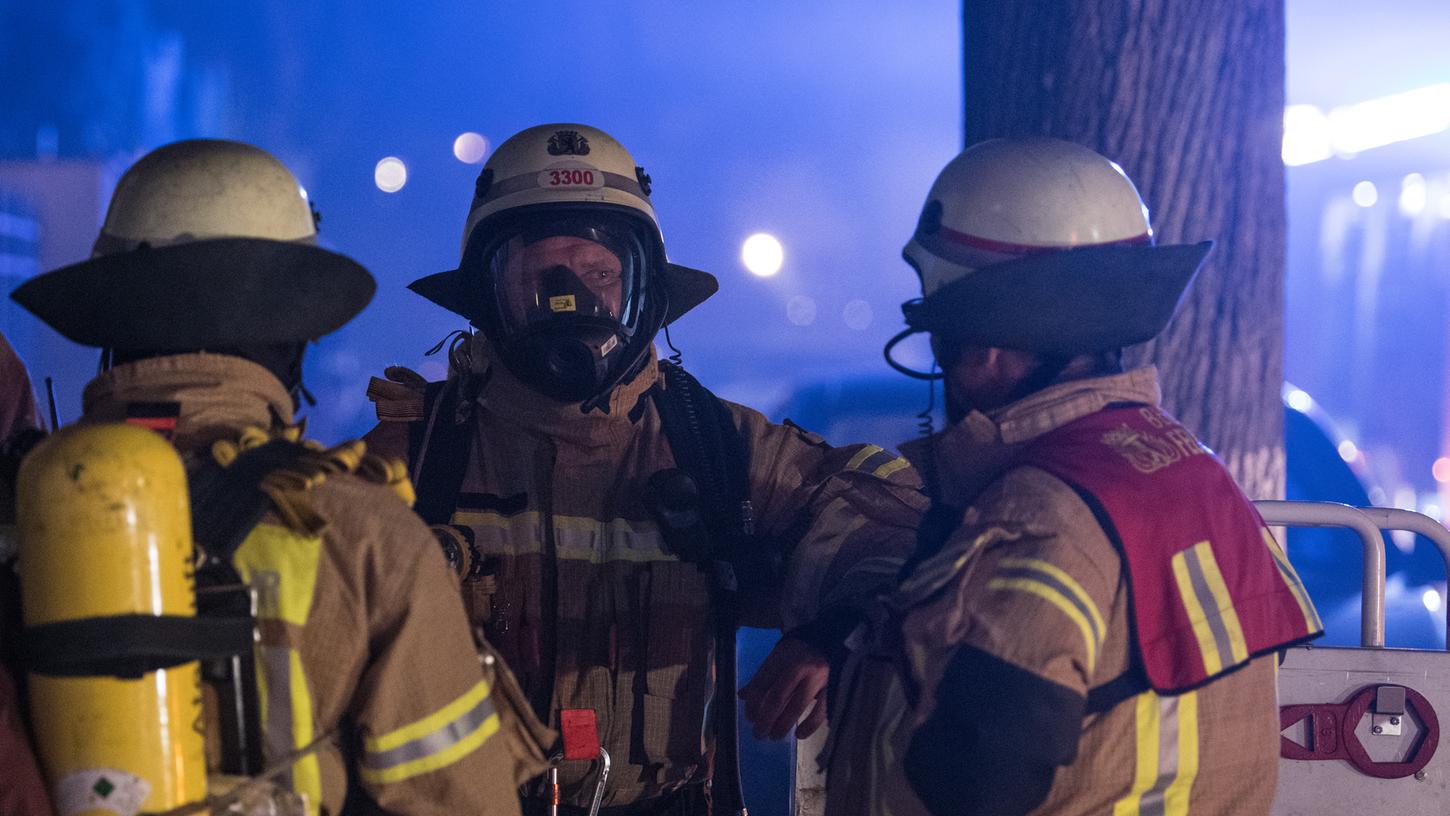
(819, 123)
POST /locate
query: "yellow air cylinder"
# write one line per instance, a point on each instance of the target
(105, 529)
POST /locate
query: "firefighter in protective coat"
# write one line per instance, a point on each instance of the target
(1090, 621)
(205, 286)
(613, 521)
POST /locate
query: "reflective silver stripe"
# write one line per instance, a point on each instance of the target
(576, 538)
(429, 744)
(277, 663)
(1209, 604)
(1062, 589)
(1153, 802)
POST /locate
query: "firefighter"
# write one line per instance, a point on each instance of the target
(206, 284)
(1090, 621)
(22, 792)
(612, 519)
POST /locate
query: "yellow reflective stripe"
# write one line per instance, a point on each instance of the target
(282, 566)
(1145, 772)
(1066, 580)
(433, 762)
(897, 464)
(1052, 595)
(1295, 584)
(862, 455)
(1225, 602)
(438, 719)
(1166, 762)
(306, 772)
(293, 558)
(1175, 799)
(436, 741)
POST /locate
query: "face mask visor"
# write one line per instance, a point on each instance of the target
(569, 295)
(571, 269)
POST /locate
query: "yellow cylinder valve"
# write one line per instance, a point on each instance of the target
(105, 551)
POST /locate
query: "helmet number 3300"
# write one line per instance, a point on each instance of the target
(571, 177)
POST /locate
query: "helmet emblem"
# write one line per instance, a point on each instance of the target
(568, 143)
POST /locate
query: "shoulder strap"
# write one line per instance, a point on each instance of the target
(227, 503)
(707, 445)
(438, 450)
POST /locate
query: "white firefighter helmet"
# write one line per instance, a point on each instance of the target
(559, 164)
(206, 244)
(1041, 245)
(563, 266)
(1007, 198)
(205, 188)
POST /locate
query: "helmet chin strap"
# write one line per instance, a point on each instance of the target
(891, 345)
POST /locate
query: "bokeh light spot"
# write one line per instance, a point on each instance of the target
(470, 147)
(391, 174)
(1300, 401)
(1348, 451)
(1365, 194)
(857, 314)
(801, 310)
(762, 254)
(1413, 195)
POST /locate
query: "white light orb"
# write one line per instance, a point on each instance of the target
(762, 254)
(1365, 194)
(1431, 599)
(1300, 401)
(1413, 195)
(391, 174)
(1348, 451)
(470, 147)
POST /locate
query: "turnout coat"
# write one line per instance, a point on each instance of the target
(1019, 637)
(580, 592)
(363, 642)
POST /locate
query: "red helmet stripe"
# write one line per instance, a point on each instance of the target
(989, 245)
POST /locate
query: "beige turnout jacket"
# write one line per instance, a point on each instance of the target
(1001, 584)
(554, 501)
(363, 640)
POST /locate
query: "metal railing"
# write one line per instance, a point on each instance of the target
(1366, 522)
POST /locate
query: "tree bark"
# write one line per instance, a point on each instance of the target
(1188, 96)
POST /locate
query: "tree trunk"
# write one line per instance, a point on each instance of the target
(1188, 96)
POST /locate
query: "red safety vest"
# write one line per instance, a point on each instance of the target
(1209, 587)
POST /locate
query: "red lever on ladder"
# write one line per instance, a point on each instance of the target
(1331, 734)
(580, 730)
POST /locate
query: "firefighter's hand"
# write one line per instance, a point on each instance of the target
(792, 678)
